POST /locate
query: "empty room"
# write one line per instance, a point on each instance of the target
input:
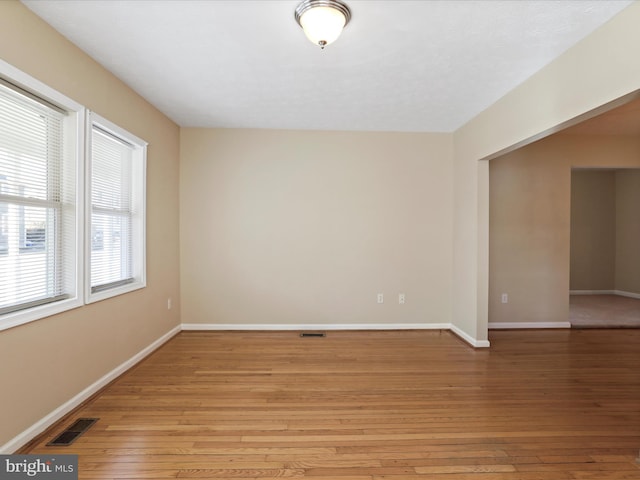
(315, 239)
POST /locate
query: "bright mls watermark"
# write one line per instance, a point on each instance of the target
(51, 467)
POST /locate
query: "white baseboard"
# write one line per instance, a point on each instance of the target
(469, 339)
(45, 422)
(620, 293)
(315, 326)
(592, 292)
(627, 294)
(328, 327)
(516, 325)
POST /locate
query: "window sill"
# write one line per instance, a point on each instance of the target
(33, 314)
(113, 292)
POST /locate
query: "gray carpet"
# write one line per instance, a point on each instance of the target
(604, 311)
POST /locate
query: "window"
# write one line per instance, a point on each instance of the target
(115, 210)
(40, 131)
(72, 219)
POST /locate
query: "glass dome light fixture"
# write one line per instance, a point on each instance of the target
(322, 20)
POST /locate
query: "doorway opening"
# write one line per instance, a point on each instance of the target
(605, 259)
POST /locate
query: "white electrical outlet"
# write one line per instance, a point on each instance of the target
(169, 303)
(380, 298)
(505, 298)
(401, 298)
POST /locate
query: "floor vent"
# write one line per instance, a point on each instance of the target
(313, 334)
(72, 432)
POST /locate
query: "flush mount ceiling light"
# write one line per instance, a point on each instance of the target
(322, 20)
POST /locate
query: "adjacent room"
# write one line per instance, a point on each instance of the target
(564, 227)
(235, 246)
(605, 233)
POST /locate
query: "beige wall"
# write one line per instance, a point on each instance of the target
(593, 230)
(530, 222)
(294, 227)
(600, 69)
(45, 363)
(627, 277)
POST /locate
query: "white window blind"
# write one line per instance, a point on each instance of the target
(36, 221)
(116, 226)
(111, 212)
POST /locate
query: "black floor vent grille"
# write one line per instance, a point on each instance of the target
(313, 334)
(72, 432)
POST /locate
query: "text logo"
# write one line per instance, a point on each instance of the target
(50, 467)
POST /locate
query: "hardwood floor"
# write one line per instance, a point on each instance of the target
(402, 405)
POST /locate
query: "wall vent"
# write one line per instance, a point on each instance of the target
(313, 334)
(72, 432)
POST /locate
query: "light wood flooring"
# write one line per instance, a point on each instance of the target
(604, 311)
(400, 405)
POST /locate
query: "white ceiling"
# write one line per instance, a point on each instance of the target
(398, 66)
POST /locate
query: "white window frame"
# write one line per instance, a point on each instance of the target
(139, 149)
(74, 136)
